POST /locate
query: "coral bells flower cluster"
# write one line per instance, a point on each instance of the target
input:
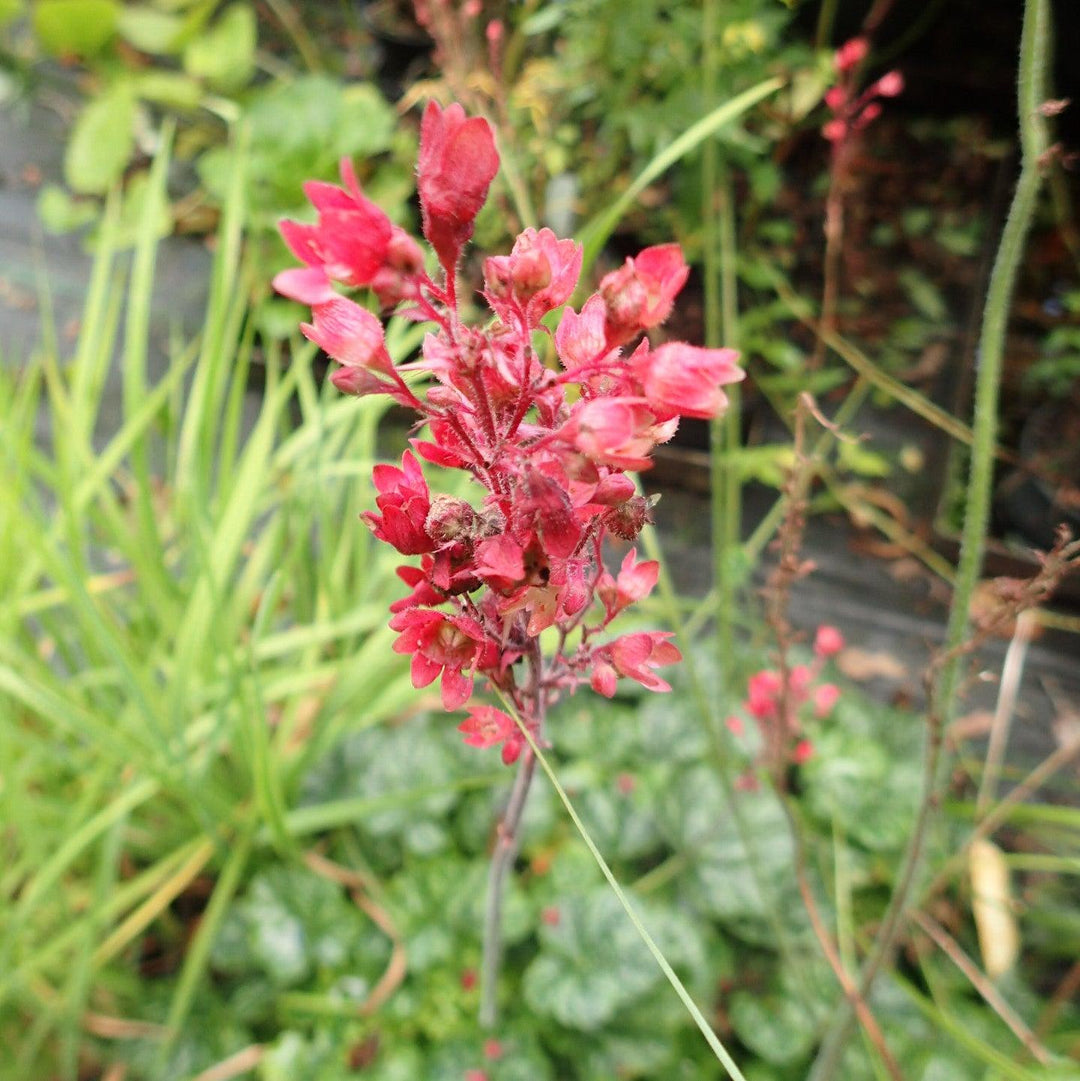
(852, 110)
(778, 701)
(548, 445)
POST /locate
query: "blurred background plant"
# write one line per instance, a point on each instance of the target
(218, 74)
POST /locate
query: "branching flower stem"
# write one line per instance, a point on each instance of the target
(507, 843)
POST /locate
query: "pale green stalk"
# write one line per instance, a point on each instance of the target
(677, 985)
(1034, 139)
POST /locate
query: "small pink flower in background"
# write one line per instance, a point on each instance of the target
(825, 698)
(763, 690)
(852, 110)
(851, 54)
(828, 641)
(779, 701)
(547, 449)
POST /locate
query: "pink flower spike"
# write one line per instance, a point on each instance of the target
(825, 698)
(683, 380)
(457, 163)
(804, 751)
(828, 641)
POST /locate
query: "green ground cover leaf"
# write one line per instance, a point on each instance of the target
(75, 27)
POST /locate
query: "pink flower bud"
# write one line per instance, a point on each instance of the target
(850, 54)
(828, 641)
(834, 130)
(890, 84)
(825, 698)
(835, 97)
(804, 751)
(450, 520)
(457, 163)
(349, 334)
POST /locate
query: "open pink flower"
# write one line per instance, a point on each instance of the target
(581, 339)
(636, 655)
(618, 432)
(640, 294)
(457, 163)
(635, 581)
(500, 562)
(683, 380)
(404, 500)
(348, 243)
(454, 646)
(487, 726)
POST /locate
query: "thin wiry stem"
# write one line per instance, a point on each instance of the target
(946, 677)
(507, 841)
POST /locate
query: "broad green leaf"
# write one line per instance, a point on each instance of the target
(722, 878)
(149, 29)
(101, 143)
(292, 923)
(366, 121)
(866, 773)
(592, 962)
(775, 1027)
(75, 27)
(60, 213)
(224, 55)
(173, 89)
(10, 10)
